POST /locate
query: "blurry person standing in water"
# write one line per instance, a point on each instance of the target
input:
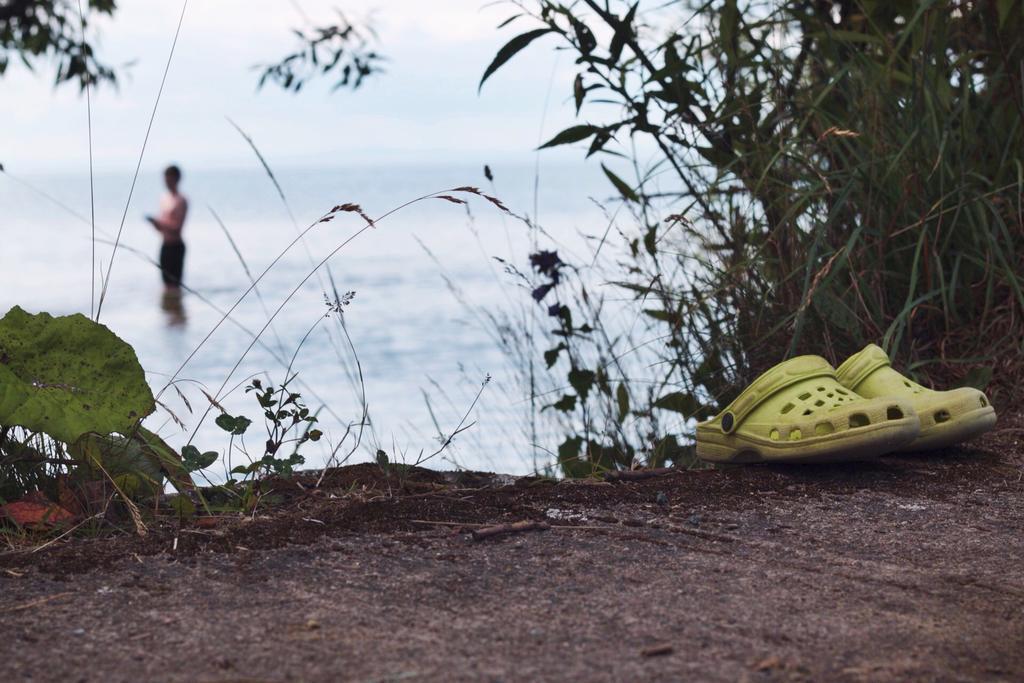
(169, 222)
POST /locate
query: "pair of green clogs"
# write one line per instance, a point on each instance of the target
(804, 410)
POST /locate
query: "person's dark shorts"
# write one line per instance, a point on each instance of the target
(172, 263)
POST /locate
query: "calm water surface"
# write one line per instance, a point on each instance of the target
(416, 342)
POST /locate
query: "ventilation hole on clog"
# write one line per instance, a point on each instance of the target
(893, 413)
(819, 403)
(908, 384)
(795, 434)
(808, 411)
(804, 397)
(823, 428)
(774, 435)
(984, 403)
(840, 391)
(788, 407)
(941, 416)
(821, 388)
(859, 420)
(830, 394)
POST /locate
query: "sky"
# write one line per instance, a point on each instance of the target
(424, 109)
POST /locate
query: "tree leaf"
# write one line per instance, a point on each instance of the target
(625, 190)
(598, 143)
(570, 135)
(509, 50)
(585, 40)
(581, 381)
(849, 37)
(117, 456)
(728, 27)
(170, 461)
(551, 355)
(622, 398)
(509, 21)
(679, 402)
(718, 157)
(651, 240)
(664, 316)
(235, 425)
(663, 451)
(225, 422)
(570, 448)
(569, 459)
(623, 32)
(194, 460)
(565, 404)
(578, 91)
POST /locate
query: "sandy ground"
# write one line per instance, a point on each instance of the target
(908, 568)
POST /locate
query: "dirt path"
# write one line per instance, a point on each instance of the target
(911, 568)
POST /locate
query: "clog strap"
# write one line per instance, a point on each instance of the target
(857, 367)
(771, 382)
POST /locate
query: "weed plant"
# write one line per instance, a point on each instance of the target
(793, 177)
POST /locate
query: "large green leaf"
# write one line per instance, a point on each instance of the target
(68, 376)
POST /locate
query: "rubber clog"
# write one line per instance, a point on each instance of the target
(947, 417)
(799, 412)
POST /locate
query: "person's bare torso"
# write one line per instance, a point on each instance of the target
(173, 208)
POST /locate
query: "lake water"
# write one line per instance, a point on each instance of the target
(423, 353)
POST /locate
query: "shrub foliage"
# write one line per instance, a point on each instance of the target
(804, 176)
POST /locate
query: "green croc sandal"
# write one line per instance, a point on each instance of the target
(798, 412)
(947, 417)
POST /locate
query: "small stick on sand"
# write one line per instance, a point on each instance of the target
(436, 523)
(35, 603)
(501, 529)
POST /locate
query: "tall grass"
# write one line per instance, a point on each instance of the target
(801, 177)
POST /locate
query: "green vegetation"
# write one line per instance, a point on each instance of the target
(803, 177)
(789, 177)
(72, 398)
(58, 31)
(31, 30)
(289, 425)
